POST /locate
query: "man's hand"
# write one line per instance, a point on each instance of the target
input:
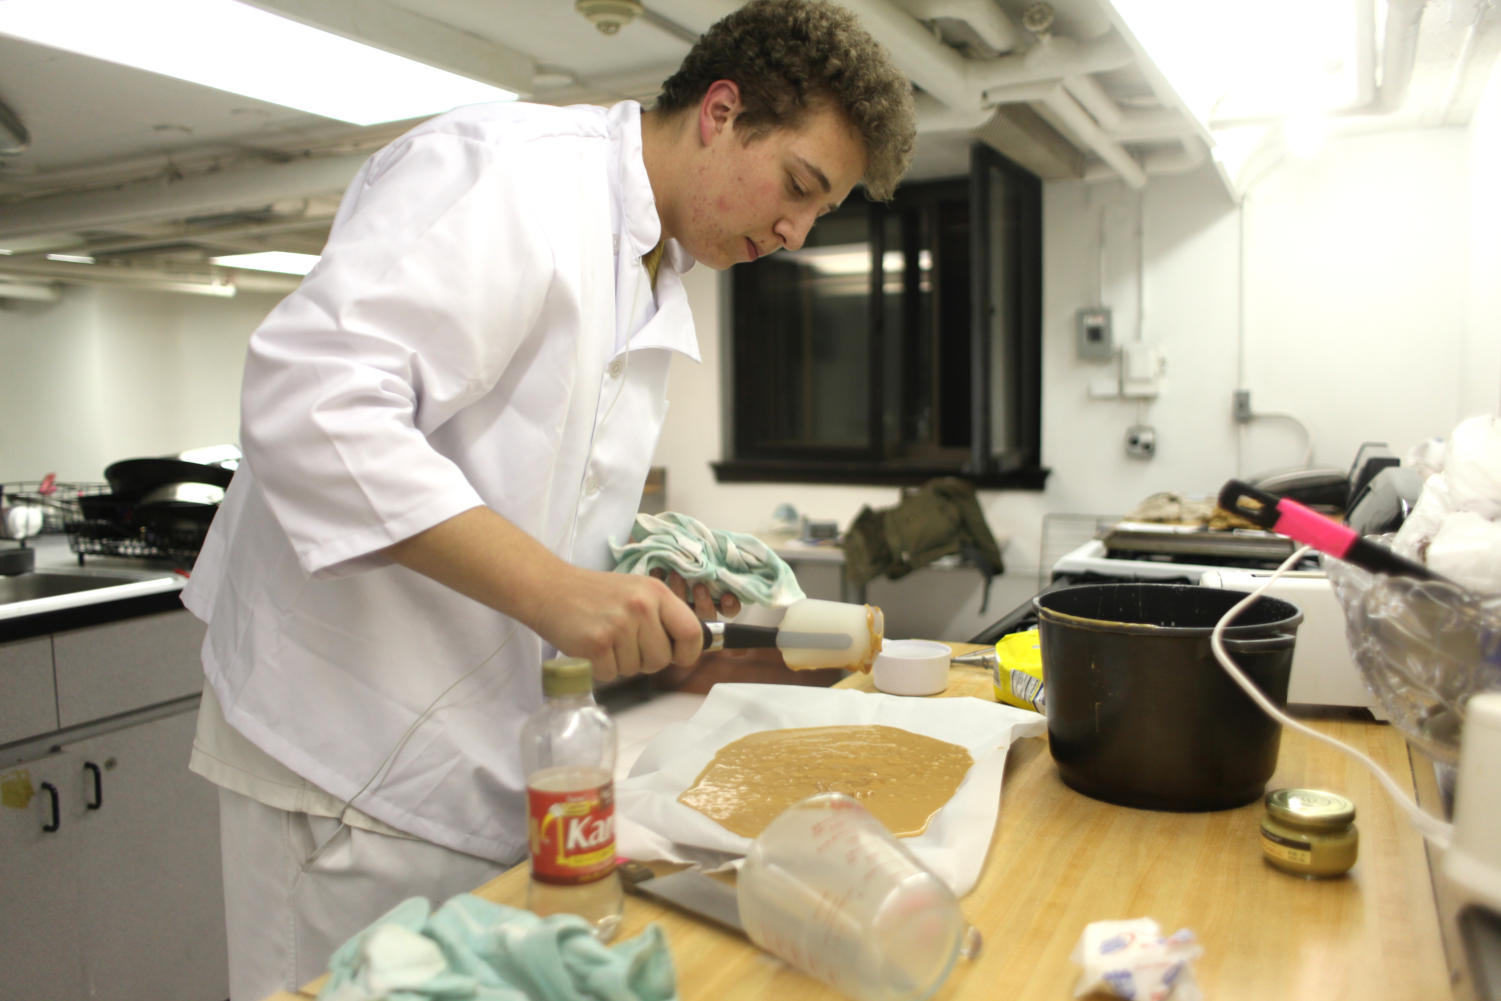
(624, 623)
(703, 603)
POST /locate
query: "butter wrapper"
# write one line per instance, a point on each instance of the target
(1131, 959)
(1016, 673)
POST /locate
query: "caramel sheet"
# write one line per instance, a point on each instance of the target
(904, 778)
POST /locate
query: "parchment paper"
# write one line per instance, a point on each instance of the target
(652, 824)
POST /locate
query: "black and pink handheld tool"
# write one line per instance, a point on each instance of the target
(1305, 525)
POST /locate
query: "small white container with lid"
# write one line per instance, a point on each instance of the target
(912, 667)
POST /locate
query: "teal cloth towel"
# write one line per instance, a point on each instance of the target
(473, 950)
(731, 562)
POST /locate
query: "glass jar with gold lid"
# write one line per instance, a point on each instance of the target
(1309, 832)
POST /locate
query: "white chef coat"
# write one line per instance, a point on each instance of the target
(479, 330)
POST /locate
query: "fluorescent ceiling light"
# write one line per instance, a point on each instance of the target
(222, 290)
(71, 258)
(1244, 60)
(279, 261)
(244, 50)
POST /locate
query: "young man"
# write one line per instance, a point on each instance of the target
(444, 426)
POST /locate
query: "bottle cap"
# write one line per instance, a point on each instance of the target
(567, 676)
(1312, 808)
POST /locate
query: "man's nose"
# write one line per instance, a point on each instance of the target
(792, 230)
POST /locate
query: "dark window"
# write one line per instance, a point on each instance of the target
(900, 343)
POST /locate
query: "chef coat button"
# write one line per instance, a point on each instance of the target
(616, 367)
(591, 485)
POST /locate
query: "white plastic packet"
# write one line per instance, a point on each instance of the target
(1131, 959)
(1467, 549)
(1455, 526)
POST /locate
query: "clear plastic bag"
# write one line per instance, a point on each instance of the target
(1424, 648)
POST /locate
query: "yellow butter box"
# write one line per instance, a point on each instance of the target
(1017, 674)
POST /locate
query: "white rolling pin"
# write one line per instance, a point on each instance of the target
(813, 634)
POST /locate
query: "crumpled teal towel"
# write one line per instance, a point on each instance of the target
(473, 950)
(735, 562)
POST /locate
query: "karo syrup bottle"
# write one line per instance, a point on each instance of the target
(568, 752)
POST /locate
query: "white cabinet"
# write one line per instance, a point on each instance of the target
(123, 898)
(29, 705)
(113, 668)
(39, 955)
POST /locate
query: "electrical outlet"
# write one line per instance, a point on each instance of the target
(1141, 441)
(1242, 405)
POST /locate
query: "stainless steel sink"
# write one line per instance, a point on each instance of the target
(51, 584)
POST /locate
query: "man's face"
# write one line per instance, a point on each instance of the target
(748, 200)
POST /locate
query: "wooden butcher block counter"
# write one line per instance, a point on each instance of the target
(1060, 860)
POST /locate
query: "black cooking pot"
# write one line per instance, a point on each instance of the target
(132, 478)
(1139, 710)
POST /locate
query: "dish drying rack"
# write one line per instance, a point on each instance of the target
(97, 524)
(58, 501)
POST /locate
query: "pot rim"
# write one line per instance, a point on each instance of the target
(1242, 630)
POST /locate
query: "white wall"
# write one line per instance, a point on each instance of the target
(1481, 382)
(109, 374)
(1370, 314)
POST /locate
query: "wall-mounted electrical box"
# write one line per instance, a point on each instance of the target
(1141, 364)
(1096, 342)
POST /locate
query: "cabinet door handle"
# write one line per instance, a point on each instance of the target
(51, 791)
(98, 799)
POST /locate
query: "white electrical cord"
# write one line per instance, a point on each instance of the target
(1307, 435)
(390, 758)
(1438, 832)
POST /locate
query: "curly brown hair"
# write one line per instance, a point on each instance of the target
(789, 57)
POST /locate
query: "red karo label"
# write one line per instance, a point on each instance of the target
(572, 834)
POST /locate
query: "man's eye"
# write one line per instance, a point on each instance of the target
(796, 188)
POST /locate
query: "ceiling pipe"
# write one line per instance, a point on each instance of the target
(935, 116)
(1365, 51)
(1162, 91)
(263, 281)
(929, 63)
(987, 19)
(1053, 58)
(1094, 100)
(14, 138)
(1140, 127)
(1118, 123)
(1053, 102)
(671, 27)
(227, 235)
(29, 291)
(1461, 64)
(1147, 126)
(1399, 53)
(199, 194)
(1191, 152)
(314, 143)
(965, 86)
(143, 278)
(223, 282)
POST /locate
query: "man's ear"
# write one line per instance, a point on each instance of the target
(717, 110)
